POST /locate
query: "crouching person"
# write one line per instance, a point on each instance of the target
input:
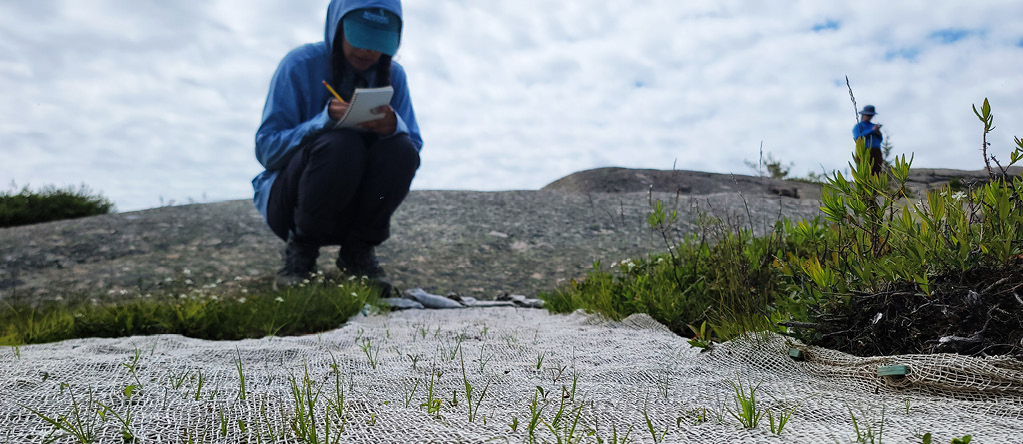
(327, 186)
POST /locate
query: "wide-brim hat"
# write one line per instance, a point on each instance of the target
(868, 110)
(375, 29)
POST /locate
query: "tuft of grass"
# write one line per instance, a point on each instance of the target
(125, 420)
(314, 307)
(474, 411)
(433, 404)
(305, 396)
(746, 410)
(79, 422)
(866, 431)
(372, 355)
(657, 436)
(241, 374)
(535, 410)
(564, 427)
(409, 393)
(336, 403)
(784, 416)
(615, 438)
(200, 381)
(50, 203)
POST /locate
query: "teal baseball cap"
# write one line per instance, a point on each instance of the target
(375, 29)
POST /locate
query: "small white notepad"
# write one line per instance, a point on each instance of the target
(364, 100)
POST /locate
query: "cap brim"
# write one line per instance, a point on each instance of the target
(375, 39)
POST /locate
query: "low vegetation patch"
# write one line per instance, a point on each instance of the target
(319, 305)
(878, 274)
(50, 203)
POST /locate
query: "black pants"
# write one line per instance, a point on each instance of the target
(343, 188)
(876, 161)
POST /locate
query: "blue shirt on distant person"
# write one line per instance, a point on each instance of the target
(870, 132)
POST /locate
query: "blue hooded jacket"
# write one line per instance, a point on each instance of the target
(296, 107)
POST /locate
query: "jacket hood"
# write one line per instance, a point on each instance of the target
(338, 9)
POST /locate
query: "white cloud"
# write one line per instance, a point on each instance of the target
(148, 99)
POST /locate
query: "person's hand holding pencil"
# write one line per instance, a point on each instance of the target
(337, 107)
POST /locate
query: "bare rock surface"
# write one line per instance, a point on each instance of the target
(617, 180)
(624, 180)
(477, 244)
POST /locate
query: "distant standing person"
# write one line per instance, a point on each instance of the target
(326, 186)
(871, 133)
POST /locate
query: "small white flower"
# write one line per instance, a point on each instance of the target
(214, 298)
(186, 271)
(167, 279)
(183, 296)
(188, 282)
(245, 290)
(354, 295)
(305, 281)
(123, 292)
(240, 300)
(351, 278)
(279, 299)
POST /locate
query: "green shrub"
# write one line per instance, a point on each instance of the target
(871, 239)
(729, 283)
(769, 166)
(49, 204)
(876, 241)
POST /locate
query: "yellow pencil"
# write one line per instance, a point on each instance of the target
(336, 96)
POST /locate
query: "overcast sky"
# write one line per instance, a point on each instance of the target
(145, 100)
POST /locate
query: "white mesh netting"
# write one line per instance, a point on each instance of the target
(622, 373)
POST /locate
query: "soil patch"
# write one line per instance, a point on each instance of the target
(979, 313)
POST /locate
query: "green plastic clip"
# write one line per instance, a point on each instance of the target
(796, 354)
(893, 370)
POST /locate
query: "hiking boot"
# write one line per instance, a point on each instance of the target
(299, 262)
(357, 260)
